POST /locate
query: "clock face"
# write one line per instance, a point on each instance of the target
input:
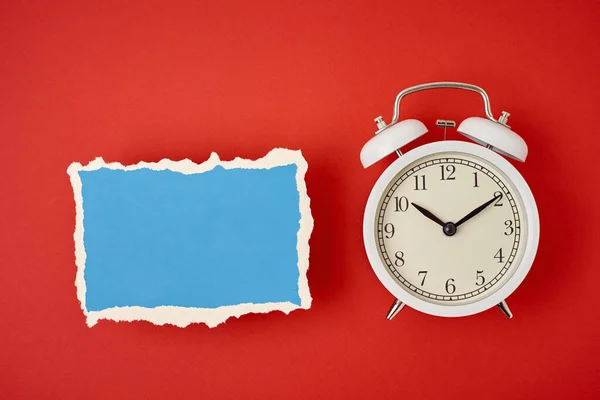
(450, 228)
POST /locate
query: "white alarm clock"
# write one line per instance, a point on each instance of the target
(451, 228)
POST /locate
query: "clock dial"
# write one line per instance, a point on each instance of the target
(450, 228)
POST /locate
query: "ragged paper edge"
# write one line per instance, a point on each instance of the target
(183, 316)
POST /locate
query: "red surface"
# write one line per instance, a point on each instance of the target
(142, 81)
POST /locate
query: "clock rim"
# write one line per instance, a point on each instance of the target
(529, 208)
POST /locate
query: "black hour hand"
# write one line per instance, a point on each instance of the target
(428, 214)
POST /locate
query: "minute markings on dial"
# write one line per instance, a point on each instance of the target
(509, 254)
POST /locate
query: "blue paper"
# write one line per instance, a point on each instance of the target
(223, 237)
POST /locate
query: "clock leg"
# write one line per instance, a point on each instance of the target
(395, 309)
(504, 308)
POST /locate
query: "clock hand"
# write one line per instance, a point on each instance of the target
(476, 211)
(429, 214)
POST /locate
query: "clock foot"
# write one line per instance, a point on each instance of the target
(395, 309)
(504, 308)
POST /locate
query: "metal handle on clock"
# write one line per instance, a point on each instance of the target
(446, 85)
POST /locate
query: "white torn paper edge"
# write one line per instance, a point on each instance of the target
(183, 316)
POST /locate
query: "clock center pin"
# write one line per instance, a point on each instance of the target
(449, 229)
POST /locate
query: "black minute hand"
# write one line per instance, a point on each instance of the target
(476, 211)
(428, 214)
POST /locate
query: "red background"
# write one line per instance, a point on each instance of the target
(141, 81)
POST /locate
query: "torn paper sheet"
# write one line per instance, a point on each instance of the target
(175, 242)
